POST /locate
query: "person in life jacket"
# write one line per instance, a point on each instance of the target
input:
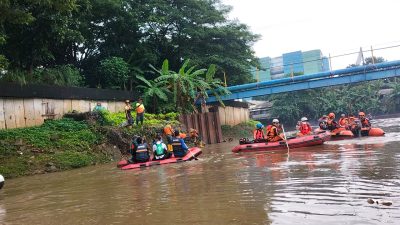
(160, 150)
(195, 138)
(322, 122)
(365, 124)
(304, 127)
(140, 151)
(353, 124)
(330, 122)
(258, 133)
(139, 111)
(169, 133)
(178, 145)
(343, 121)
(274, 131)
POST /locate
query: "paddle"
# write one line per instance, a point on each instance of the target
(284, 135)
(195, 158)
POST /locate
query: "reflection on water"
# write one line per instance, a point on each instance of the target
(329, 183)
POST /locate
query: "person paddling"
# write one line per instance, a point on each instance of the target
(274, 132)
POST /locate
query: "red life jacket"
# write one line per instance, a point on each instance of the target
(305, 128)
(258, 134)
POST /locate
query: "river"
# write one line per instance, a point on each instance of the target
(327, 184)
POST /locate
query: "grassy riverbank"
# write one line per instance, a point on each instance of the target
(240, 130)
(64, 144)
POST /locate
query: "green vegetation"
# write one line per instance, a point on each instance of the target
(66, 143)
(241, 130)
(115, 119)
(183, 87)
(118, 39)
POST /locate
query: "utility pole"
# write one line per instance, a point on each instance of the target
(372, 54)
(225, 78)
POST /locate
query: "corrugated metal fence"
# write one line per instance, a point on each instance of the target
(207, 124)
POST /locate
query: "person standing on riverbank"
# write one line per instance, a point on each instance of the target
(139, 111)
(128, 115)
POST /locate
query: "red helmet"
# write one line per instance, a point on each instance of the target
(361, 114)
(331, 115)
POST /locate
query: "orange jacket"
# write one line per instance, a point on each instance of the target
(343, 122)
(365, 123)
(168, 130)
(272, 131)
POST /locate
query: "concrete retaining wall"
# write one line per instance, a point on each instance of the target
(233, 115)
(27, 112)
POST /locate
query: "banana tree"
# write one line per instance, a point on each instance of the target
(153, 91)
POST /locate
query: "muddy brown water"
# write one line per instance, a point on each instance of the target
(327, 184)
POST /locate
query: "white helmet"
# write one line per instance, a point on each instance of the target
(303, 119)
(275, 121)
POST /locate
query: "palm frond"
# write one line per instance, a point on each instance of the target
(144, 80)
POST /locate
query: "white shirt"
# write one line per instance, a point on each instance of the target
(162, 145)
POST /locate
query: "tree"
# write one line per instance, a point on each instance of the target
(214, 86)
(43, 34)
(46, 34)
(114, 72)
(153, 91)
(369, 60)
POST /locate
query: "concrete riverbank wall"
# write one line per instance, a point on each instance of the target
(30, 105)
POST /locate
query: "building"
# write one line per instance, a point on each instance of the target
(291, 64)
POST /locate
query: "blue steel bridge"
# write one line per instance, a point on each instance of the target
(311, 81)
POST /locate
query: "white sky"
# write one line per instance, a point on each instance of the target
(335, 26)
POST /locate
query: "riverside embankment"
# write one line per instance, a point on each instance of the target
(68, 143)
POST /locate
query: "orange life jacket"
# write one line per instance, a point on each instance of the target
(168, 130)
(139, 108)
(343, 122)
(272, 132)
(258, 134)
(305, 128)
(365, 123)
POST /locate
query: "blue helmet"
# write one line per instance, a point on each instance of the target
(259, 126)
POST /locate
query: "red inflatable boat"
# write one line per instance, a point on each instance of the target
(297, 142)
(375, 131)
(194, 152)
(341, 133)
